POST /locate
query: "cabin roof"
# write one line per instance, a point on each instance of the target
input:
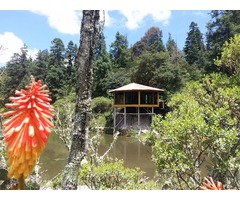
(135, 87)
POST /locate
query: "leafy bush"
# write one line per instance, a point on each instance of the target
(109, 175)
(200, 132)
(101, 105)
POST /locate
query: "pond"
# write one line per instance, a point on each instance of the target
(133, 153)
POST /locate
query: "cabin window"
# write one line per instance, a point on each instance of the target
(148, 97)
(119, 98)
(131, 98)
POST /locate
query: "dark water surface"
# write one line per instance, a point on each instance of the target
(133, 152)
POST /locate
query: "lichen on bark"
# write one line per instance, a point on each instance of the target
(89, 35)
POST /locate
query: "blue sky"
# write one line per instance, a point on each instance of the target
(37, 28)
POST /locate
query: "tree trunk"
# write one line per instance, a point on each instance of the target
(88, 37)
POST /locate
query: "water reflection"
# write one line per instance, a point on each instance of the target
(134, 154)
(54, 157)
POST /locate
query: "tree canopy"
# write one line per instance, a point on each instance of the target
(223, 25)
(194, 47)
(230, 56)
(200, 135)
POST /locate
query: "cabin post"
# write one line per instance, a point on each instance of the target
(139, 102)
(138, 116)
(125, 117)
(139, 98)
(114, 119)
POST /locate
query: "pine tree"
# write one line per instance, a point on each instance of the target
(151, 41)
(70, 59)
(39, 67)
(176, 56)
(56, 75)
(194, 47)
(101, 68)
(119, 52)
(16, 74)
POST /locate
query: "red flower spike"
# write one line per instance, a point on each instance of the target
(26, 132)
(210, 185)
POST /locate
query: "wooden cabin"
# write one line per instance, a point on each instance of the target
(134, 104)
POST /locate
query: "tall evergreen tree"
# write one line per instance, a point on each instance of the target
(57, 51)
(119, 52)
(70, 57)
(223, 25)
(171, 45)
(151, 41)
(39, 67)
(138, 48)
(194, 49)
(176, 56)
(101, 68)
(56, 76)
(16, 73)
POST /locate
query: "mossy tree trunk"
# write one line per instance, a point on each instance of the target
(89, 35)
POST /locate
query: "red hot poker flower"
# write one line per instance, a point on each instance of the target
(26, 132)
(210, 185)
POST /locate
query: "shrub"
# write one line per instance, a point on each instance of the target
(110, 175)
(101, 105)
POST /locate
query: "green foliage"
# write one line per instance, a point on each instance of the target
(150, 42)
(56, 76)
(39, 66)
(230, 56)
(156, 69)
(112, 175)
(101, 69)
(102, 113)
(223, 25)
(119, 52)
(101, 105)
(16, 74)
(70, 57)
(117, 78)
(194, 49)
(56, 69)
(201, 131)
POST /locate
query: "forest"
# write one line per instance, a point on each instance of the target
(202, 83)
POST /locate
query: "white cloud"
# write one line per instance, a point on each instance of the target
(200, 13)
(64, 21)
(12, 44)
(33, 53)
(136, 17)
(69, 21)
